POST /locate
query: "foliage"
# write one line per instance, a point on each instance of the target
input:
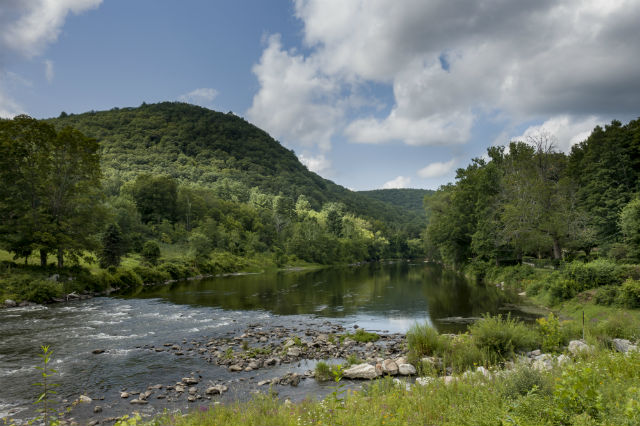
(549, 328)
(423, 339)
(112, 247)
(629, 294)
(49, 413)
(363, 336)
(502, 335)
(151, 252)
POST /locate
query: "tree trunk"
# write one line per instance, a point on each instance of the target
(43, 257)
(557, 252)
(60, 258)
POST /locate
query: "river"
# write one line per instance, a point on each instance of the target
(383, 297)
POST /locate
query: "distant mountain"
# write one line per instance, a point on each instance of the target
(407, 199)
(202, 147)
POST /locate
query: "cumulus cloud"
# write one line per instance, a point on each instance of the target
(318, 163)
(449, 64)
(202, 96)
(295, 98)
(437, 169)
(398, 182)
(48, 70)
(29, 25)
(566, 130)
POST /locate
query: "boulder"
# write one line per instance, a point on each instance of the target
(623, 345)
(193, 390)
(10, 303)
(97, 351)
(578, 346)
(294, 352)
(216, 390)
(360, 371)
(124, 395)
(235, 368)
(84, 398)
(389, 367)
(272, 361)
(139, 402)
(483, 371)
(406, 369)
(190, 381)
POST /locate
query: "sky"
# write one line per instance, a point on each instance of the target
(368, 93)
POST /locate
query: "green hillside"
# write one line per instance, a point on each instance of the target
(407, 199)
(208, 149)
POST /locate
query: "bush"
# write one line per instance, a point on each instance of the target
(423, 339)
(176, 270)
(563, 289)
(151, 252)
(621, 326)
(523, 379)
(323, 372)
(502, 336)
(593, 274)
(629, 294)
(549, 329)
(462, 353)
(606, 295)
(151, 275)
(40, 291)
(125, 280)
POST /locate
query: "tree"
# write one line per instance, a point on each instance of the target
(151, 252)
(630, 226)
(156, 197)
(112, 247)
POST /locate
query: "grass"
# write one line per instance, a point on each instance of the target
(361, 336)
(597, 390)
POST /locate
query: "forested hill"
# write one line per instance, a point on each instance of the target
(207, 148)
(408, 199)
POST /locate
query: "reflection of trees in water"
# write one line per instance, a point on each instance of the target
(335, 292)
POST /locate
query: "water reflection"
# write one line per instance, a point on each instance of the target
(387, 296)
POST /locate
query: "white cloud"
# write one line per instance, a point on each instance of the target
(398, 182)
(48, 70)
(566, 130)
(318, 163)
(295, 99)
(202, 96)
(449, 63)
(436, 170)
(8, 107)
(29, 25)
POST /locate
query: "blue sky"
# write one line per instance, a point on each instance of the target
(369, 93)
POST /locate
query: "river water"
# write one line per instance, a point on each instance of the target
(379, 297)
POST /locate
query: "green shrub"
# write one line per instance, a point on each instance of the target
(502, 335)
(629, 294)
(126, 280)
(524, 379)
(40, 291)
(323, 372)
(176, 270)
(593, 274)
(606, 295)
(549, 329)
(423, 339)
(150, 252)
(151, 275)
(620, 326)
(463, 354)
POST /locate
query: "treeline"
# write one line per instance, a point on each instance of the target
(529, 199)
(55, 201)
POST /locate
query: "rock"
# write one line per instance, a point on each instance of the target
(139, 402)
(292, 379)
(10, 303)
(179, 388)
(448, 379)
(263, 339)
(483, 371)
(406, 369)
(361, 371)
(289, 343)
(193, 390)
(535, 353)
(623, 345)
(264, 382)
(369, 345)
(562, 359)
(145, 395)
(124, 395)
(578, 346)
(93, 423)
(424, 381)
(389, 367)
(191, 398)
(348, 342)
(401, 360)
(294, 352)
(97, 409)
(235, 368)
(271, 361)
(97, 351)
(190, 381)
(254, 365)
(247, 369)
(84, 398)
(217, 390)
